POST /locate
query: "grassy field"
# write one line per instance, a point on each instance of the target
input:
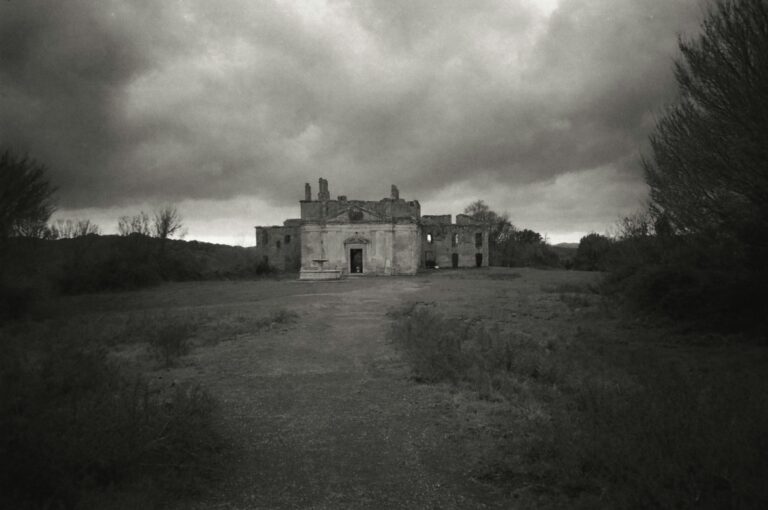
(496, 388)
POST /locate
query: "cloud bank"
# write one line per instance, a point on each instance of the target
(538, 106)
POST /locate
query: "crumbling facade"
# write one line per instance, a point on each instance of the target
(335, 238)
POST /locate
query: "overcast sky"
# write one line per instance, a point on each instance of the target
(540, 107)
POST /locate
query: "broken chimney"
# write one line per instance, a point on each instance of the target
(323, 194)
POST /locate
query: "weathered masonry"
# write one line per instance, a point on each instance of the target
(334, 238)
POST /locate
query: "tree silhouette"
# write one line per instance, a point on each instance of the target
(167, 222)
(25, 196)
(138, 224)
(708, 171)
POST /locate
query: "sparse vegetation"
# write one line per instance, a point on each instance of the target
(276, 318)
(138, 224)
(69, 229)
(171, 340)
(74, 425)
(609, 431)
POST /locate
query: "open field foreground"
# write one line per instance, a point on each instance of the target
(321, 410)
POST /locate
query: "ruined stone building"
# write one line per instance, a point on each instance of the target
(334, 238)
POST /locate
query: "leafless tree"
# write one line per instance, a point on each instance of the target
(636, 225)
(138, 224)
(69, 229)
(500, 226)
(167, 222)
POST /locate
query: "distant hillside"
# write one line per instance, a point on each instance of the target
(93, 262)
(566, 251)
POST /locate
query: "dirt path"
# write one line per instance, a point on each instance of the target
(323, 414)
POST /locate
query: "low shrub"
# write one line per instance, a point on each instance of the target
(671, 440)
(22, 298)
(108, 264)
(170, 339)
(275, 318)
(72, 423)
(432, 344)
(283, 316)
(694, 280)
(649, 435)
(451, 349)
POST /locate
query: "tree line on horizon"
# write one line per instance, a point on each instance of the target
(27, 205)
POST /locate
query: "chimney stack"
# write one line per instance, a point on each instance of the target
(323, 194)
(307, 192)
(395, 193)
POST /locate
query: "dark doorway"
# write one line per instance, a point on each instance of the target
(455, 260)
(429, 260)
(479, 259)
(356, 260)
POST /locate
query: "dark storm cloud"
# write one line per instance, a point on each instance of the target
(63, 66)
(130, 101)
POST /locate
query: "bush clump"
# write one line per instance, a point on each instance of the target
(73, 424)
(446, 349)
(171, 340)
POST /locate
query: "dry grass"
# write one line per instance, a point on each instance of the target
(587, 429)
(547, 401)
(76, 425)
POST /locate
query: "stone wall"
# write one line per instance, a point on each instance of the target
(436, 219)
(386, 248)
(439, 243)
(388, 209)
(280, 247)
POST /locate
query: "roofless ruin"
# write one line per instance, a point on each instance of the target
(335, 238)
